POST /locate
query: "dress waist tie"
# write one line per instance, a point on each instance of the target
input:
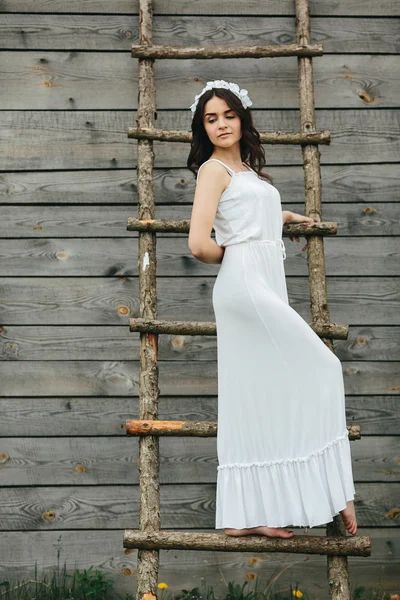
(275, 242)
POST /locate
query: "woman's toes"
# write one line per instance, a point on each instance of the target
(289, 534)
(279, 532)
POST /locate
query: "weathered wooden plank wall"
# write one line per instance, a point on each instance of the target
(69, 366)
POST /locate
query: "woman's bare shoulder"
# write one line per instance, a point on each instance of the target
(212, 169)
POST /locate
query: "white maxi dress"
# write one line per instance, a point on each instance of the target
(283, 447)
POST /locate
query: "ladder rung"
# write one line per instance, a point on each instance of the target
(274, 137)
(186, 52)
(319, 228)
(324, 330)
(193, 428)
(301, 544)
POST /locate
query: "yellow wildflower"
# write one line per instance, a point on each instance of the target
(297, 593)
(162, 585)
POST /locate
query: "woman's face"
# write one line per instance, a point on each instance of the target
(220, 119)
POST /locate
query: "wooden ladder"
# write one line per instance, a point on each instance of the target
(148, 539)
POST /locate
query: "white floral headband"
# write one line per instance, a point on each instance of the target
(242, 94)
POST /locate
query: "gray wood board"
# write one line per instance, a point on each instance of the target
(65, 222)
(106, 460)
(117, 506)
(208, 8)
(92, 81)
(116, 342)
(118, 32)
(367, 184)
(113, 300)
(82, 416)
(121, 378)
(98, 139)
(353, 257)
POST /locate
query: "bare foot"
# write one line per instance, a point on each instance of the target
(349, 517)
(262, 530)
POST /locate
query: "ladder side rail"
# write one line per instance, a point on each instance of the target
(149, 454)
(337, 566)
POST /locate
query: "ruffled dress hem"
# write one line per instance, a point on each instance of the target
(299, 492)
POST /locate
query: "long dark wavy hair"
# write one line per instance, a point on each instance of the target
(201, 148)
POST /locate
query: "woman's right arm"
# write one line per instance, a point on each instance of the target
(211, 183)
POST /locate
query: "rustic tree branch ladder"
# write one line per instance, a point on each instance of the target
(149, 539)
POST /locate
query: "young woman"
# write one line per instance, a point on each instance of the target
(283, 448)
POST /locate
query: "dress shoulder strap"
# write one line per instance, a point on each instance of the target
(230, 171)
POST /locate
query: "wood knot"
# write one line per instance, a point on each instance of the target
(4, 457)
(351, 371)
(393, 513)
(80, 469)
(49, 515)
(366, 97)
(178, 341)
